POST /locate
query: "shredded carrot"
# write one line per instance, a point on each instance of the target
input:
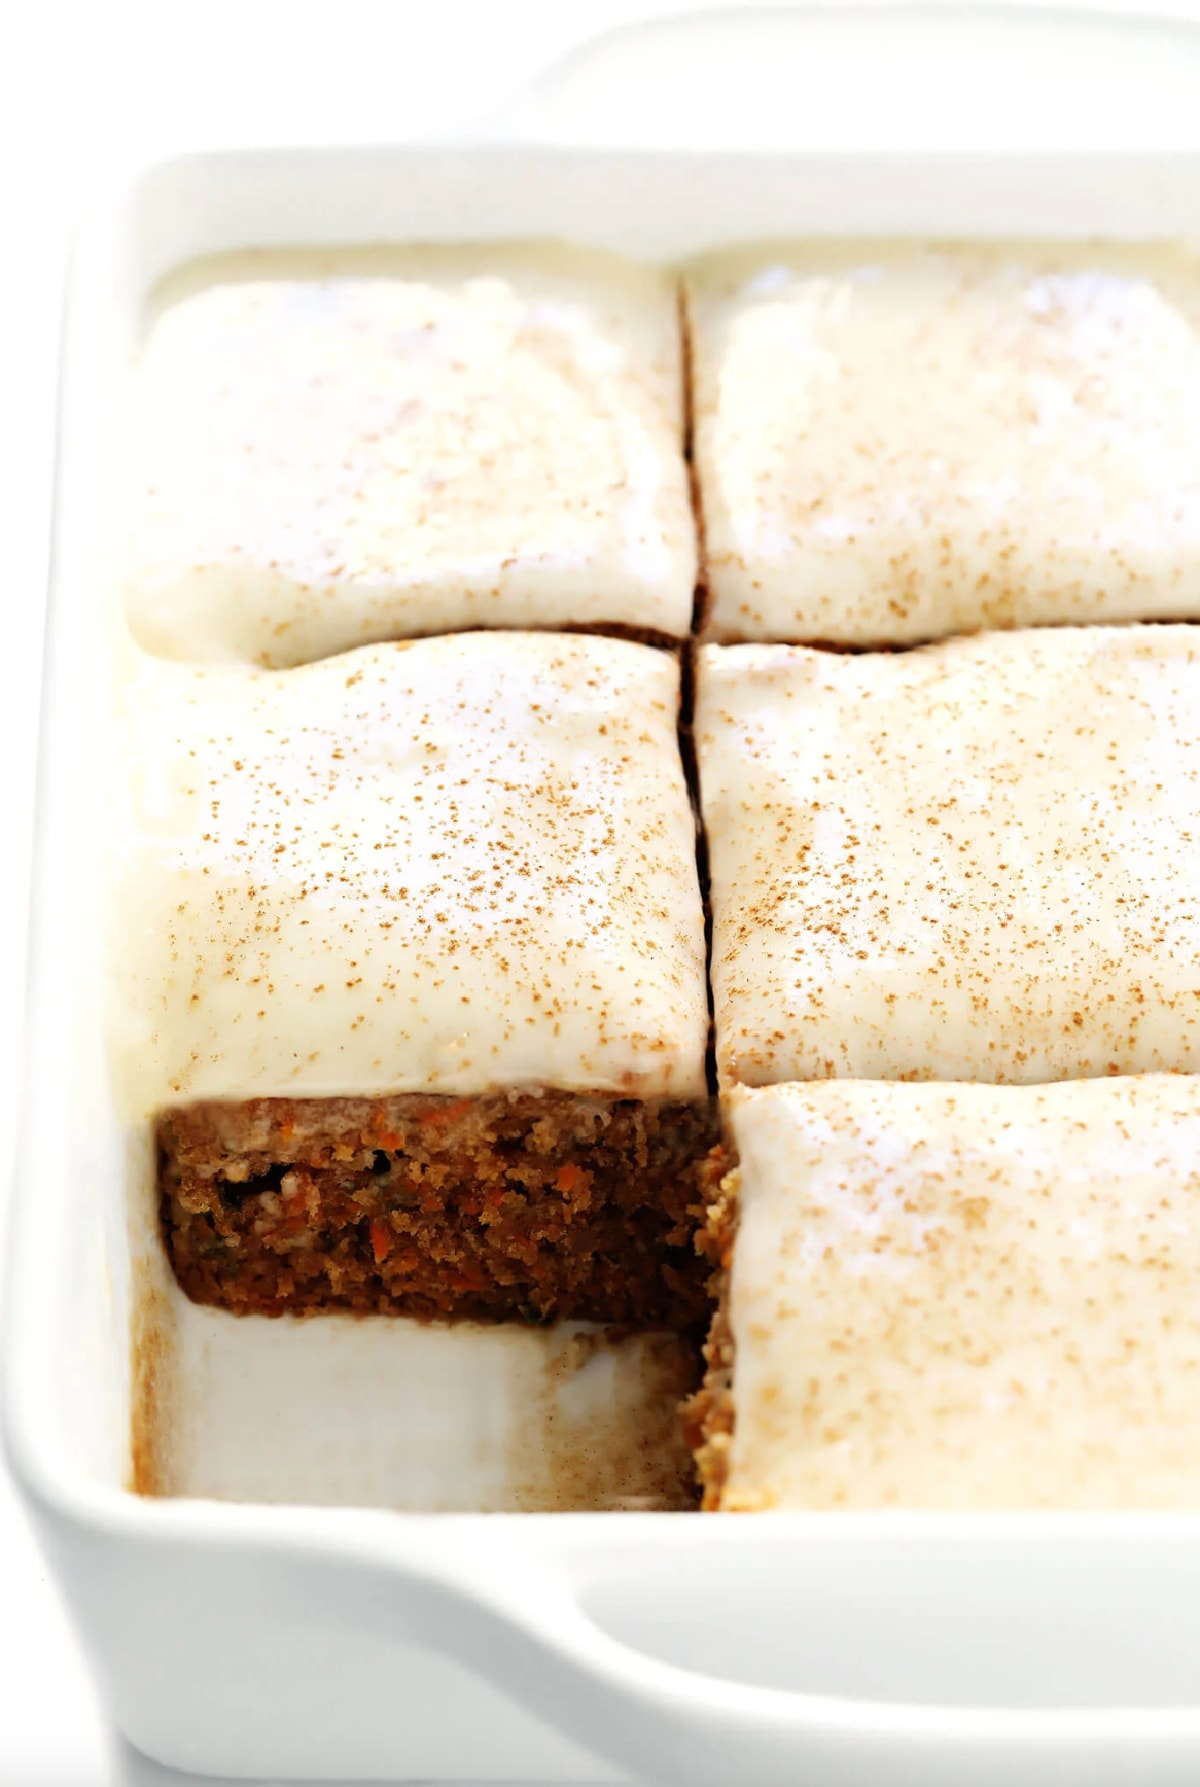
(444, 1112)
(565, 1178)
(466, 1280)
(389, 1139)
(292, 1225)
(381, 1239)
(295, 1213)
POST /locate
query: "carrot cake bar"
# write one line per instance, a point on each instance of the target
(979, 860)
(899, 441)
(409, 971)
(958, 1297)
(341, 448)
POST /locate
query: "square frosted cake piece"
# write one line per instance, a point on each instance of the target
(408, 968)
(957, 1297)
(341, 448)
(979, 860)
(897, 441)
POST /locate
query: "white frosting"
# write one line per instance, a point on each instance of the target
(897, 441)
(343, 448)
(980, 860)
(450, 865)
(967, 1296)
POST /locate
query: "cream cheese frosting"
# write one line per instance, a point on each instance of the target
(451, 865)
(335, 449)
(978, 860)
(896, 441)
(967, 1296)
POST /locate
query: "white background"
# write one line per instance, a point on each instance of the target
(84, 89)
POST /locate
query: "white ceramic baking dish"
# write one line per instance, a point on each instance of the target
(325, 1642)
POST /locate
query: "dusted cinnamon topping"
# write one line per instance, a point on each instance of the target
(966, 1296)
(366, 445)
(979, 860)
(899, 441)
(454, 865)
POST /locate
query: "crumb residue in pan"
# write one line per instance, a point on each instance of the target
(577, 1450)
(417, 1417)
(153, 1390)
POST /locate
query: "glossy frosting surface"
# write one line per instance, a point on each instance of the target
(333, 450)
(899, 441)
(451, 865)
(979, 860)
(967, 1296)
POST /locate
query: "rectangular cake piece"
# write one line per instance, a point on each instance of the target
(337, 448)
(897, 441)
(957, 1297)
(979, 860)
(408, 968)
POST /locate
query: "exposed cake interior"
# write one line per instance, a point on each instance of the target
(513, 1206)
(708, 1413)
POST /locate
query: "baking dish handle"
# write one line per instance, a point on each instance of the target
(523, 1623)
(901, 77)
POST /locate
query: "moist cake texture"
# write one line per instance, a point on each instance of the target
(527, 1207)
(978, 860)
(898, 441)
(338, 448)
(961, 1297)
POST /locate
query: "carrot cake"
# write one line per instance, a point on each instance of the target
(897, 441)
(410, 975)
(362, 445)
(979, 860)
(958, 1297)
